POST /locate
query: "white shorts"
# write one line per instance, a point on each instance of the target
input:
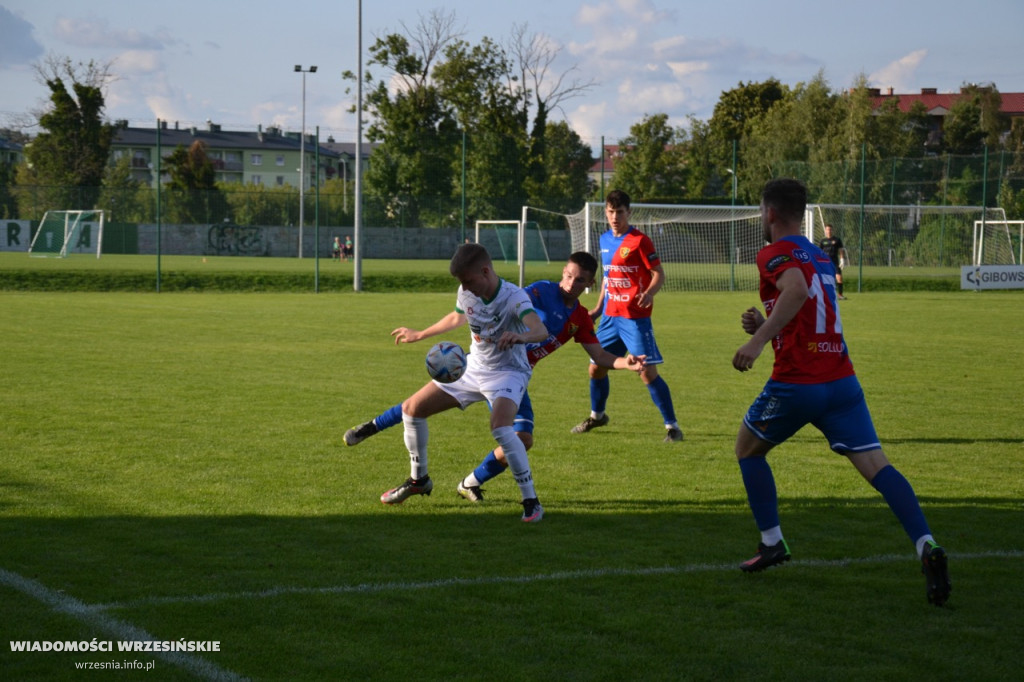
(477, 385)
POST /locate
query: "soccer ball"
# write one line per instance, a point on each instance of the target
(446, 362)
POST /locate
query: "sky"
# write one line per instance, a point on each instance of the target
(233, 63)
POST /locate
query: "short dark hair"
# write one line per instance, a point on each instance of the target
(468, 257)
(586, 262)
(787, 196)
(617, 199)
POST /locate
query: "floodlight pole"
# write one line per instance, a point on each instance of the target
(302, 154)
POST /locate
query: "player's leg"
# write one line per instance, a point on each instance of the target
(495, 462)
(505, 391)
(600, 385)
(385, 420)
(851, 432)
(427, 401)
(777, 413)
(638, 336)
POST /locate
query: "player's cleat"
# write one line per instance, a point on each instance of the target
(473, 493)
(357, 434)
(766, 556)
(590, 423)
(934, 565)
(532, 511)
(412, 486)
(674, 435)
(841, 297)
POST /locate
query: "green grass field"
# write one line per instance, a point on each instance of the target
(172, 470)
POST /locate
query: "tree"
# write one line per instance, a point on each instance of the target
(566, 160)
(67, 160)
(193, 196)
(652, 165)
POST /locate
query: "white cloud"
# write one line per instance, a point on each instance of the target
(899, 74)
(97, 33)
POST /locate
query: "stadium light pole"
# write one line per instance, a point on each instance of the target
(302, 154)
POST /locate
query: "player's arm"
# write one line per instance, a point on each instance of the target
(595, 312)
(844, 258)
(792, 294)
(611, 361)
(645, 299)
(535, 332)
(452, 320)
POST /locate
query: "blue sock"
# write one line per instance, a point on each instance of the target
(662, 399)
(761, 494)
(599, 390)
(901, 499)
(389, 417)
(488, 469)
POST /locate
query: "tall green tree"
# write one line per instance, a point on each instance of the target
(652, 167)
(66, 161)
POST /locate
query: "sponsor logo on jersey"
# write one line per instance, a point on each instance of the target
(774, 263)
(801, 255)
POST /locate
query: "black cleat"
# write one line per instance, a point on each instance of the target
(766, 556)
(357, 434)
(934, 565)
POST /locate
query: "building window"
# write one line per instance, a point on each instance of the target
(280, 181)
(257, 180)
(279, 160)
(257, 159)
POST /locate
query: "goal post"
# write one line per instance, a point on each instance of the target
(61, 233)
(517, 240)
(998, 242)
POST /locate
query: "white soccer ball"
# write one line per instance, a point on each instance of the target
(446, 362)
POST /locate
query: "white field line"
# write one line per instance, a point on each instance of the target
(371, 588)
(59, 602)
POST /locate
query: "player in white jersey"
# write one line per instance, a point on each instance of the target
(501, 319)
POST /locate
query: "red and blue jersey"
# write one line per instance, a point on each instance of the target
(810, 349)
(562, 322)
(628, 261)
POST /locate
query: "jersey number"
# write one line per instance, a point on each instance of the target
(820, 290)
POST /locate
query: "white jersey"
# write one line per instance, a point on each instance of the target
(488, 320)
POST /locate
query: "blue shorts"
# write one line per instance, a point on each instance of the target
(524, 417)
(836, 408)
(619, 335)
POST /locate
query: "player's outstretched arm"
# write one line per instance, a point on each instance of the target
(452, 320)
(603, 358)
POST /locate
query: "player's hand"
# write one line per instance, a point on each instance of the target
(636, 362)
(406, 335)
(644, 299)
(744, 358)
(509, 339)
(751, 320)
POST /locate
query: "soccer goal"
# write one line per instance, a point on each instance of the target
(702, 248)
(998, 242)
(903, 235)
(61, 233)
(517, 241)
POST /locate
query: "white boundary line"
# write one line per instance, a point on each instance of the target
(97, 621)
(373, 588)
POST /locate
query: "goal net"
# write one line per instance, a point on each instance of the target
(903, 236)
(998, 242)
(61, 233)
(702, 248)
(518, 241)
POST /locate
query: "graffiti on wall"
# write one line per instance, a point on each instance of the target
(235, 240)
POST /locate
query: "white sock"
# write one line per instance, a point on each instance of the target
(470, 481)
(518, 462)
(596, 415)
(772, 536)
(921, 543)
(416, 436)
